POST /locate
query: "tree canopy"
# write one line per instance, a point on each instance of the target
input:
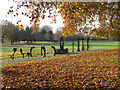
(78, 16)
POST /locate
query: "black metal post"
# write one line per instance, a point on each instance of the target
(43, 47)
(41, 51)
(78, 45)
(83, 44)
(61, 43)
(87, 43)
(73, 47)
(44, 52)
(23, 55)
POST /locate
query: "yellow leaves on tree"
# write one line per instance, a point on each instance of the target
(80, 12)
(35, 28)
(20, 27)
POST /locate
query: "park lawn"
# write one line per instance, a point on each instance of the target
(93, 69)
(7, 48)
(104, 44)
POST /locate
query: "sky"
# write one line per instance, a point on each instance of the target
(5, 6)
(25, 21)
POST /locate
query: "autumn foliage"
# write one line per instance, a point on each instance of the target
(78, 16)
(94, 69)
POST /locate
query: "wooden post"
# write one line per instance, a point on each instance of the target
(78, 45)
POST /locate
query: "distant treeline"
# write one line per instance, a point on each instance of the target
(11, 33)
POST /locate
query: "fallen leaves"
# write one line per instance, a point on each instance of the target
(95, 69)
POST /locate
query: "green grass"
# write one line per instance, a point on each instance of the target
(104, 44)
(7, 49)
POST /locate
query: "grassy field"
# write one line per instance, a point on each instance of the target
(7, 48)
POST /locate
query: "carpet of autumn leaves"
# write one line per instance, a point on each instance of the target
(94, 69)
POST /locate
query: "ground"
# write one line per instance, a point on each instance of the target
(91, 69)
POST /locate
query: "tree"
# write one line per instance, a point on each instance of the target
(58, 34)
(77, 16)
(29, 35)
(13, 34)
(37, 36)
(9, 31)
(46, 33)
(23, 35)
(4, 29)
(42, 34)
(51, 35)
(74, 37)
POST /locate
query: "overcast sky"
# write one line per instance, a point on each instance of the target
(4, 7)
